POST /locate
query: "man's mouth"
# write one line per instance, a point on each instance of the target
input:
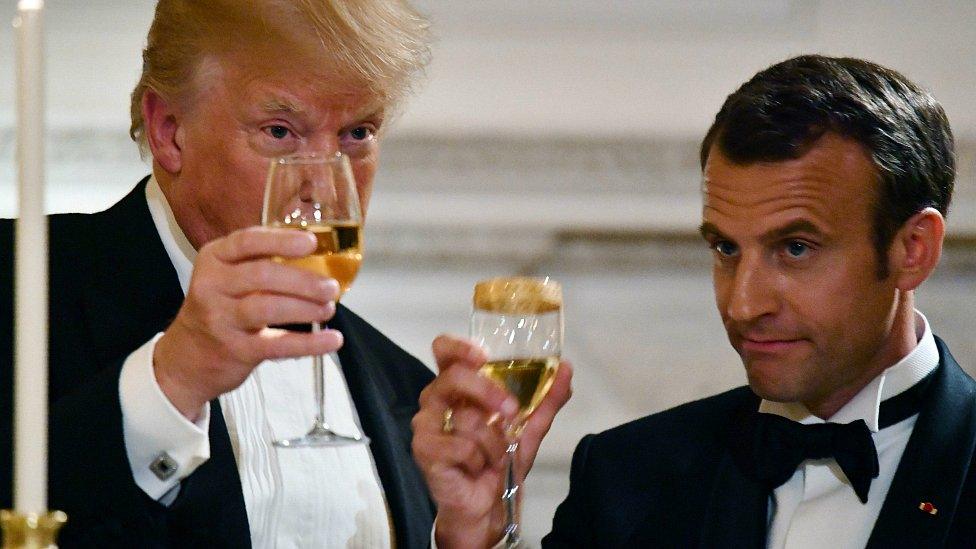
(768, 345)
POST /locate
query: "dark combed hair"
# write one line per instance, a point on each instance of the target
(782, 111)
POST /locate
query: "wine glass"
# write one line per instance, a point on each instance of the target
(519, 323)
(316, 192)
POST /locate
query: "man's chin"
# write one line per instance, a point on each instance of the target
(771, 385)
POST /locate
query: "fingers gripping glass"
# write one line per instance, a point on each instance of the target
(519, 323)
(317, 193)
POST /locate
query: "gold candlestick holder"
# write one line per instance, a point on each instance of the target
(31, 530)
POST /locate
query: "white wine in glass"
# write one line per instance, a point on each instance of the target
(338, 254)
(519, 323)
(528, 379)
(317, 193)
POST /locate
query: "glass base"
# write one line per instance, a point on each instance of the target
(321, 436)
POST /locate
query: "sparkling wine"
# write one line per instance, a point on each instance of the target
(528, 379)
(338, 254)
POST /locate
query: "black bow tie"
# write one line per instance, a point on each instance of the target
(768, 448)
(785, 444)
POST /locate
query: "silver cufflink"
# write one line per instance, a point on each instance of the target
(164, 466)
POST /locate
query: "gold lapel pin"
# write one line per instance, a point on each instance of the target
(927, 507)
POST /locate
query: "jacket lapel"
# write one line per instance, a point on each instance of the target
(386, 423)
(728, 512)
(736, 513)
(935, 463)
(134, 293)
(210, 507)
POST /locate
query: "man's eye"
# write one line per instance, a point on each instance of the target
(725, 248)
(360, 133)
(278, 132)
(796, 249)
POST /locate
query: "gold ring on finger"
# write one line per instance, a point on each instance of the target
(447, 424)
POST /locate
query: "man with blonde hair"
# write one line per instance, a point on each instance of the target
(169, 382)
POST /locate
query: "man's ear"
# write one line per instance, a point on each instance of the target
(163, 130)
(916, 248)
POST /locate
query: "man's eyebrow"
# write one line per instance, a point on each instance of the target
(708, 229)
(792, 228)
(276, 104)
(377, 113)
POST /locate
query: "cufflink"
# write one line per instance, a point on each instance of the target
(164, 466)
(927, 507)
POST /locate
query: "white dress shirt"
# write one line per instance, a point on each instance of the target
(295, 497)
(817, 507)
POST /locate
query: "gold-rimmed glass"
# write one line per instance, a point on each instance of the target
(519, 323)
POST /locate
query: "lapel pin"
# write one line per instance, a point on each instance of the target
(927, 507)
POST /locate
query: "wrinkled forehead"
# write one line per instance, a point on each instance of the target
(834, 180)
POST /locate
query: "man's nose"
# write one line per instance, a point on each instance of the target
(322, 145)
(753, 291)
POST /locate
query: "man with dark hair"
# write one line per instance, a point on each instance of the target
(782, 111)
(826, 182)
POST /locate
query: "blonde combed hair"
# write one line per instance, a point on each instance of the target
(380, 46)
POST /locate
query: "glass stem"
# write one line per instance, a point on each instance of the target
(319, 373)
(511, 499)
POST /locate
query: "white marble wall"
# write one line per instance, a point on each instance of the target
(566, 67)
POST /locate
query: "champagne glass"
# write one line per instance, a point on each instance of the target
(519, 323)
(317, 193)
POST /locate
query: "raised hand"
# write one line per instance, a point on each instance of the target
(463, 458)
(237, 290)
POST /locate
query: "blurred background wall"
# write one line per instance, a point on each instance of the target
(552, 137)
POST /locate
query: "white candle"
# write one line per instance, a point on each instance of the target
(30, 278)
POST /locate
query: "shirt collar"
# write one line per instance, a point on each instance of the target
(181, 253)
(866, 404)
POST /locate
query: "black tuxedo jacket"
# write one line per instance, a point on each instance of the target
(668, 480)
(112, 288)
